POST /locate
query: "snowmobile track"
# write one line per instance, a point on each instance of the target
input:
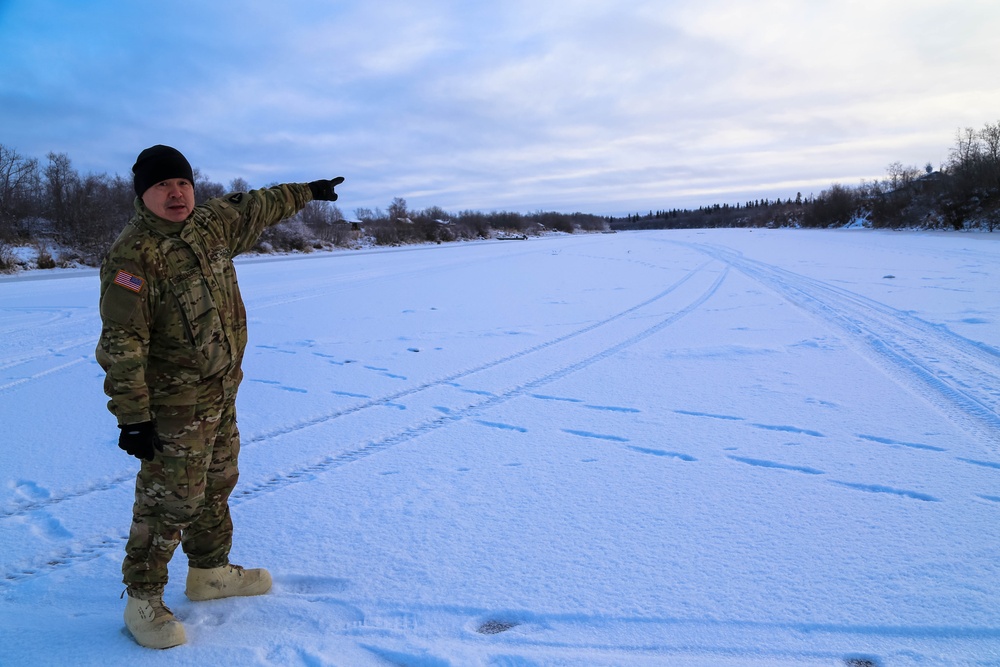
(328, 463)
(451, 379)
(917, 354)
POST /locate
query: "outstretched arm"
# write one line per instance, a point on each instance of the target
(245, 215)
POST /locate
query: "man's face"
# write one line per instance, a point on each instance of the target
(172, 199)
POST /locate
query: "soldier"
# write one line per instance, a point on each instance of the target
(174, 331)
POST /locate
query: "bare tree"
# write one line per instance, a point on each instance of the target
(990, 147)
(239, 185)
(967, 149)
(436, 213)
(105, 205)
(326, 221)
(901, 176)
(19, 193)
(204, 189)
(472, 224)
(86, 213)
(989, 141)
(397, 209)
(60, 181)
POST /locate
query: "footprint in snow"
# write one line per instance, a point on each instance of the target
(32, 491)
(878, 488)
(385, 372)
(274, 348)
(545, 397)
(612, 408)
(983, 464)
(788, 429)
(502, 427)
(49, 527)
(279, 385)
(708, 415)
(479, 392)
(898, 443)
(660, 452)
(762, 463)
(348, 394)
(596, 436)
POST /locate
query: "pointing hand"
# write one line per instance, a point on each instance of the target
(323, 190)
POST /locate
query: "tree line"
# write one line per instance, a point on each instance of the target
(963, 194)
(72, 218)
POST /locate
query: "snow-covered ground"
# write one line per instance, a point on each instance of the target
(698, 448)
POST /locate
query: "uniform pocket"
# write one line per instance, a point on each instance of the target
(201, 321)
(172, 488)
(178, 431)
(119, 305)
(195, 302)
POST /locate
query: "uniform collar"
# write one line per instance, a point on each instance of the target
(155, 223)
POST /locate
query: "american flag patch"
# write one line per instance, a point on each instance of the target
(128, 281)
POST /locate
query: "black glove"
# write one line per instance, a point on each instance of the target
(140, 439)
(323, 190)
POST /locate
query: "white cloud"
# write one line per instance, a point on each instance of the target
(507, 105)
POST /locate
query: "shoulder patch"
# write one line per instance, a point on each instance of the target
(236, 198)
(128, 281)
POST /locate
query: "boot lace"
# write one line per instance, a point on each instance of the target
(160, 608)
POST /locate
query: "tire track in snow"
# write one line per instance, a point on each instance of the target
(54, 316)
(12, 362)
(327, 463)
(304, 472)
(43, 373)
(41, 354)
(451, 379)
(21, 509)
(957, 376)
(25, 508)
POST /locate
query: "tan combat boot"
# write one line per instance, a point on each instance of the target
(152, 624)
(226, 581)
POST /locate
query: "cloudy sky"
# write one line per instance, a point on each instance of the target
(601, 106)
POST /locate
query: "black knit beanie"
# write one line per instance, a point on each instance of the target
(159, 163)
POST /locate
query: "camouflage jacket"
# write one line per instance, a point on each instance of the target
(171, 309)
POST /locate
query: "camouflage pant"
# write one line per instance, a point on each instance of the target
(182, 496)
